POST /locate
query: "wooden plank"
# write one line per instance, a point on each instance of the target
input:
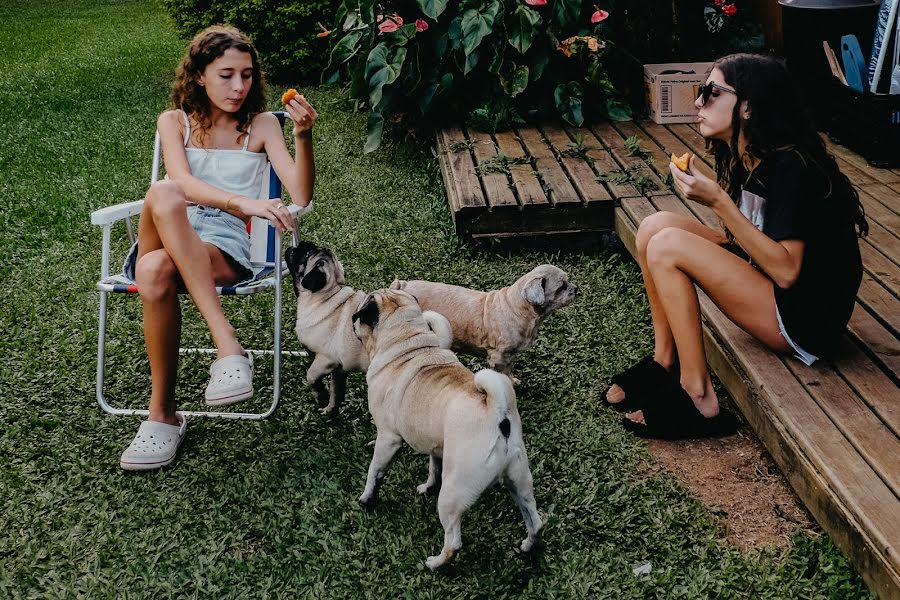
(871, 384)
(878, 212)
(874, 173)
(857, 175)
(614, 141)
(527, 185)
(851, 486)
(467, 189)
(849, 413)
(556, 184)
(882, 346)
(673, 145)
(884, 194)
(850, 531)
(497, 186)
(582, 176)
(880, 268)
(880, 302)
(691, 138)
(884, 241)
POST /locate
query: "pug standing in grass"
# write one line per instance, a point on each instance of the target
(325, 305)
(419, 393)
(499, 324)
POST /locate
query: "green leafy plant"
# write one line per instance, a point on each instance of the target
(500, 163)
(635, 175)
(633, 147)
(498, 61)
(730, 28)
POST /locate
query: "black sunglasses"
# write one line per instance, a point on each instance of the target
(705, 91)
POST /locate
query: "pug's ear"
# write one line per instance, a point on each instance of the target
(315, 279)
(367, 313)
(338, 272)
(304, 249)
(397, 284)
(534, 291)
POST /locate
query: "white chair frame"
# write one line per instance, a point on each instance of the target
(267, 278)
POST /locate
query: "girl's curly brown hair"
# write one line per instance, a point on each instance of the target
(189, 96)
(778, 121)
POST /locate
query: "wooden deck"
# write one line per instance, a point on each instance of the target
(834, 428)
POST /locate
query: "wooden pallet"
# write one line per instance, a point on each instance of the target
(833, 429)
(530, 182)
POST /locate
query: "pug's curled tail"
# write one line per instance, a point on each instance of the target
(441, 327)
(500, 393)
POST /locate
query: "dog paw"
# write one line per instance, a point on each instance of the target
(529, 544)
(328, 409)
(368, 501)
(435, 562)
(515, 381)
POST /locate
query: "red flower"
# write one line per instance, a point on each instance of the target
(421, 25)
(599, 15)
(390, 23)
(729, 9)
(535, 2)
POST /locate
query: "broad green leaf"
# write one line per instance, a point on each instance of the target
(617, 110)
(345, 49)
(514, 80)
(382, 68)
(433, 8)
(455, 33)
(477, 24)
(403, 34)
(367, 10)
(471, 61)
(374, 130)
(569, 100)
(539, 61)
(598, 77)
(565, 13)
(522, 26)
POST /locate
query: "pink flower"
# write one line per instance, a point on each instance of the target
(389, 23)
(535, 2)
(719, 2)
(421, 25)
(729, 9)
(599, 15)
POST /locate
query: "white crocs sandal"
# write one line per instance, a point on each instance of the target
(154, 446)
(230, 380)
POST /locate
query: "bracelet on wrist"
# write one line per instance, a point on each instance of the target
(228, 202)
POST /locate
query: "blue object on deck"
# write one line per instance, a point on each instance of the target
(855, 69)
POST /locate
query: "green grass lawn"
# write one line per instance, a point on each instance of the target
(269, 509)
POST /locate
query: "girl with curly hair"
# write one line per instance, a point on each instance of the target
(216, 140)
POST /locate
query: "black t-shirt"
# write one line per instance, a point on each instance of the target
(785, 198)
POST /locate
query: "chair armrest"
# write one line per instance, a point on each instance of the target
(297, 211)
(117, 212)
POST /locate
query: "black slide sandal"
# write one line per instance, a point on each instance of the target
(671, 415)
(639, 381)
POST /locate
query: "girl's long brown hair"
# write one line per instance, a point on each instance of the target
(778, 120)
(189, 96)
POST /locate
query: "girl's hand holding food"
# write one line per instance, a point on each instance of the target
(301, 112)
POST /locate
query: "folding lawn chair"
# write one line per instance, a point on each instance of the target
(265, 253)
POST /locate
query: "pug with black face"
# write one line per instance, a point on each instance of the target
(499, 324)
(468, 424)
(325, 305)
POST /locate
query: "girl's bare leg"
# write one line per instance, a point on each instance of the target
(165, 241)
(664, 343)
(676, 259)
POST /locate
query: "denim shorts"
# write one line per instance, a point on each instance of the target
(217, 227)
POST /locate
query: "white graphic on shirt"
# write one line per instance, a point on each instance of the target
(754, 208)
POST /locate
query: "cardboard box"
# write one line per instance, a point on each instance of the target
(672, 89)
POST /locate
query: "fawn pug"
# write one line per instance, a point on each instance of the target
(499, 324)
(468, 424)
(325, 305)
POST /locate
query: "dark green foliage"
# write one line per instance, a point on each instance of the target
(284, 31)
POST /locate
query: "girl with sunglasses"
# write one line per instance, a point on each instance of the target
(786, 269)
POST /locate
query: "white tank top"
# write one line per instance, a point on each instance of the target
(235, 171)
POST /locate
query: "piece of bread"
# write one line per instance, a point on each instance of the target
(682, 161)
(289, 95)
